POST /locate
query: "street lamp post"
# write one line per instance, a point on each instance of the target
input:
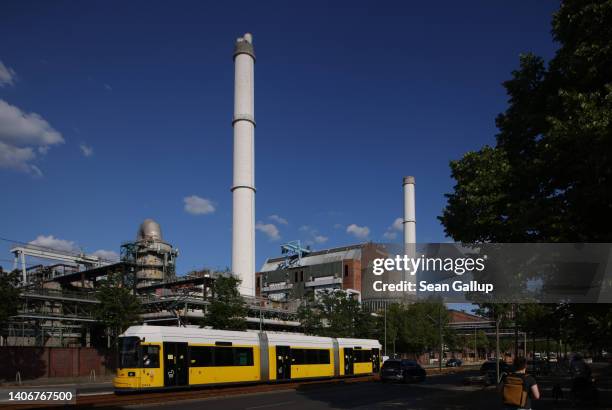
(386, 329)
(439, 323)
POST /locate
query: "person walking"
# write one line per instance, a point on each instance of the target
(519, 388)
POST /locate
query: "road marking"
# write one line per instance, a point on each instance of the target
(95, 394)
(263, 406)
(448, 387)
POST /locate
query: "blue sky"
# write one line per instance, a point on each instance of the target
(133, 103)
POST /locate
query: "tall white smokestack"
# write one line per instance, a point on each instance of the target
(243, 189)
(409, 211)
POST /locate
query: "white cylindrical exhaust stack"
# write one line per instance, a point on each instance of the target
(409, 211)
(243, 189)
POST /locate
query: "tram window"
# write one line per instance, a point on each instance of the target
(202, 356)
(298, 356)
(243, 356)
(224, 356)
(209, 356)
(150, 356)
(310, 356)
(362, 356)
(129, 353)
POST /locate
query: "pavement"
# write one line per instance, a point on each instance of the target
(83, 385)
(446, 391)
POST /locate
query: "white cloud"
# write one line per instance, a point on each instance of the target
(360, 232)
(7, 75)
(109, 256)
(314, 233)
(269, 229)
(338, 226)
(198, 206)
(390, 235)
(87, 150)
(54, 243)
(18, 158)
(320, 239)
(108, 87)
(22, 135)
(278, 219)
(396, 226)
(20, 128)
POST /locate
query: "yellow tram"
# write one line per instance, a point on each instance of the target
(160, 357)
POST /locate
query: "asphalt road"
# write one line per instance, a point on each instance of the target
(438, 392)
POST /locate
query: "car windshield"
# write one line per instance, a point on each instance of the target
(391, 364)
(128, 355)
(409, 363)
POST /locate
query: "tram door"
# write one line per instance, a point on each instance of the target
(375, 360)
(283, 362)
(348, 361)
(176, 364)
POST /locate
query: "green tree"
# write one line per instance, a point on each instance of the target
(415, 328)
(227, 309)
(336, 314)
(548, 177)
(9, 294)
(310, 317)
(118, 309)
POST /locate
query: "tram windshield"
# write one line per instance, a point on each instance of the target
(129, 352)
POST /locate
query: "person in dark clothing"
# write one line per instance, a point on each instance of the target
(519, 388)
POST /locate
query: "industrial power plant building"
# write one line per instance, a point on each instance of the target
(303, 274)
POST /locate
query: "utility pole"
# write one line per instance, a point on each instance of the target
(475, 343)
(497, 319)
(260, 317)
(385, 329)
(441, 339)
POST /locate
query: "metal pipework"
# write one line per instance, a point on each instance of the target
(409, 221)
(243, 189)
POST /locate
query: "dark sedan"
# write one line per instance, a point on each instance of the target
(454, 363)
(402, 370)
(489, 370)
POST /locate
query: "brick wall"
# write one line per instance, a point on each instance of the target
(37, 362)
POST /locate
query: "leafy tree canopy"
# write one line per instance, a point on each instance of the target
(549, 175)
(227, 309)
(9, 295)
(119, 308)
(335, 314)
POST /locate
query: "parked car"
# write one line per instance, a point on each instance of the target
(453, 362)
(402, 370)
(489, 370)
(534, 367)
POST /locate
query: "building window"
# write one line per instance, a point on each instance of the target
(346, 271)
(301, 276)
(295, 276)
